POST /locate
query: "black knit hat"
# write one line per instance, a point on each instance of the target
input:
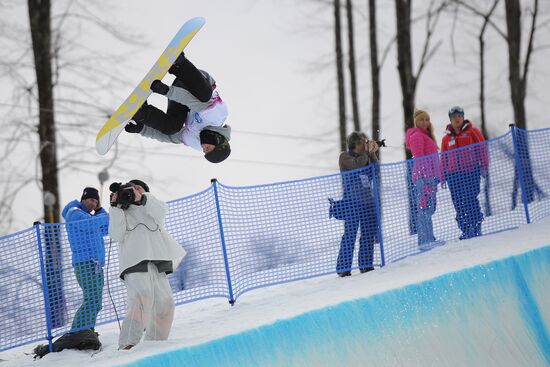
(90, 193)
(140, 183)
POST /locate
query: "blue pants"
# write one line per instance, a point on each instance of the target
(465, 188)
(426, 199)
(366, 218)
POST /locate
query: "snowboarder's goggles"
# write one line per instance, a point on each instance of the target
(456, 110)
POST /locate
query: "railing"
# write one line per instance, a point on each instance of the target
(242, 238)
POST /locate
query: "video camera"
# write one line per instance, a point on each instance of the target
(124, 194)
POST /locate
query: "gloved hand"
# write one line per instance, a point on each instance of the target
(159, 87)
(133, 127)
(174, 69)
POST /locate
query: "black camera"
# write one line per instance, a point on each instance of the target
(124, 194)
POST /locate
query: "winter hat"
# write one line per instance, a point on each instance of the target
(90, 193)
(140, 183)
(355, 138)
(420, 114)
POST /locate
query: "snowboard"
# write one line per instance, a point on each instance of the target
(110, 131)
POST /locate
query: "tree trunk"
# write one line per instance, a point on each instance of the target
(340, 75)
(39, 16)
(353, 77)
(407, 79)
(483, 122)
(517, 85)
(375, 71)
(404, 61)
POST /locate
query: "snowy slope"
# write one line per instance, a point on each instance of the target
(211, 319)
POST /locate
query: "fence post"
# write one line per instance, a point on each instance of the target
(375, 169)
(519, 169)
(44, 286)
(214, 183)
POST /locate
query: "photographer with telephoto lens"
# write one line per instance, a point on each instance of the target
(147, 253)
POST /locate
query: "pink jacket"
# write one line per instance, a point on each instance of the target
(421, 144)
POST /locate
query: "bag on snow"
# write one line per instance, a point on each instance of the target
(81, 340)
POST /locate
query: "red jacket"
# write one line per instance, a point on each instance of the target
(466, 159)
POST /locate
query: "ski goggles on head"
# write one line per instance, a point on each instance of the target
(456, 110)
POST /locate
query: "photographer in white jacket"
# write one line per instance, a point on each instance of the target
(147, 253)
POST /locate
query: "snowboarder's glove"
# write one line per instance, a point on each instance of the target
(177, 66)
(174, 69)
(133, 127)
(159, 87)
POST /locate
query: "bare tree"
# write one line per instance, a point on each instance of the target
(486, 17)
(64, 120)
(375, 71)
(351, 64)
(340, 74)
(407, 77)
(518, 74)
(39, 17)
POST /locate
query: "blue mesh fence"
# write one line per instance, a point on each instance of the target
(241, 238)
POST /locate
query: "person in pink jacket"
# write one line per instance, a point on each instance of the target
(426, 174)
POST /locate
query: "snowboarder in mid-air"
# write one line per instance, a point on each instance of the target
(195, 115)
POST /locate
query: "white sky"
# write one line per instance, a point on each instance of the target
(210, 319)
(274, 66)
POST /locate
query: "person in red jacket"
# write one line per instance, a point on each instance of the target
(463, 162)
(425, 175)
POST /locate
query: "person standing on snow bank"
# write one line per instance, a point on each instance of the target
(195, 115)
(147, 253)
(360, 208)
(462, 169)
(88, 259)
(88, 252)
(426, 174)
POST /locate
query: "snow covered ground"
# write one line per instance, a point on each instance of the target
(211, 319)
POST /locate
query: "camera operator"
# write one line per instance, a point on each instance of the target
(147, 253)
(361, 211)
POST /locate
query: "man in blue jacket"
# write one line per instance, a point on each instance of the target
(88, 250)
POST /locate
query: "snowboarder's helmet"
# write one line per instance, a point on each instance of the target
(222, 148)
(456, 110)
(355, 138)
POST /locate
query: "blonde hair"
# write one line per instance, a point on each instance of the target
(420, 114)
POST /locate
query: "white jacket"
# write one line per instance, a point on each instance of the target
(202, 115)
(140, 233)
(197, 120)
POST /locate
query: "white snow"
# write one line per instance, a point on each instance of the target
(210, 319)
